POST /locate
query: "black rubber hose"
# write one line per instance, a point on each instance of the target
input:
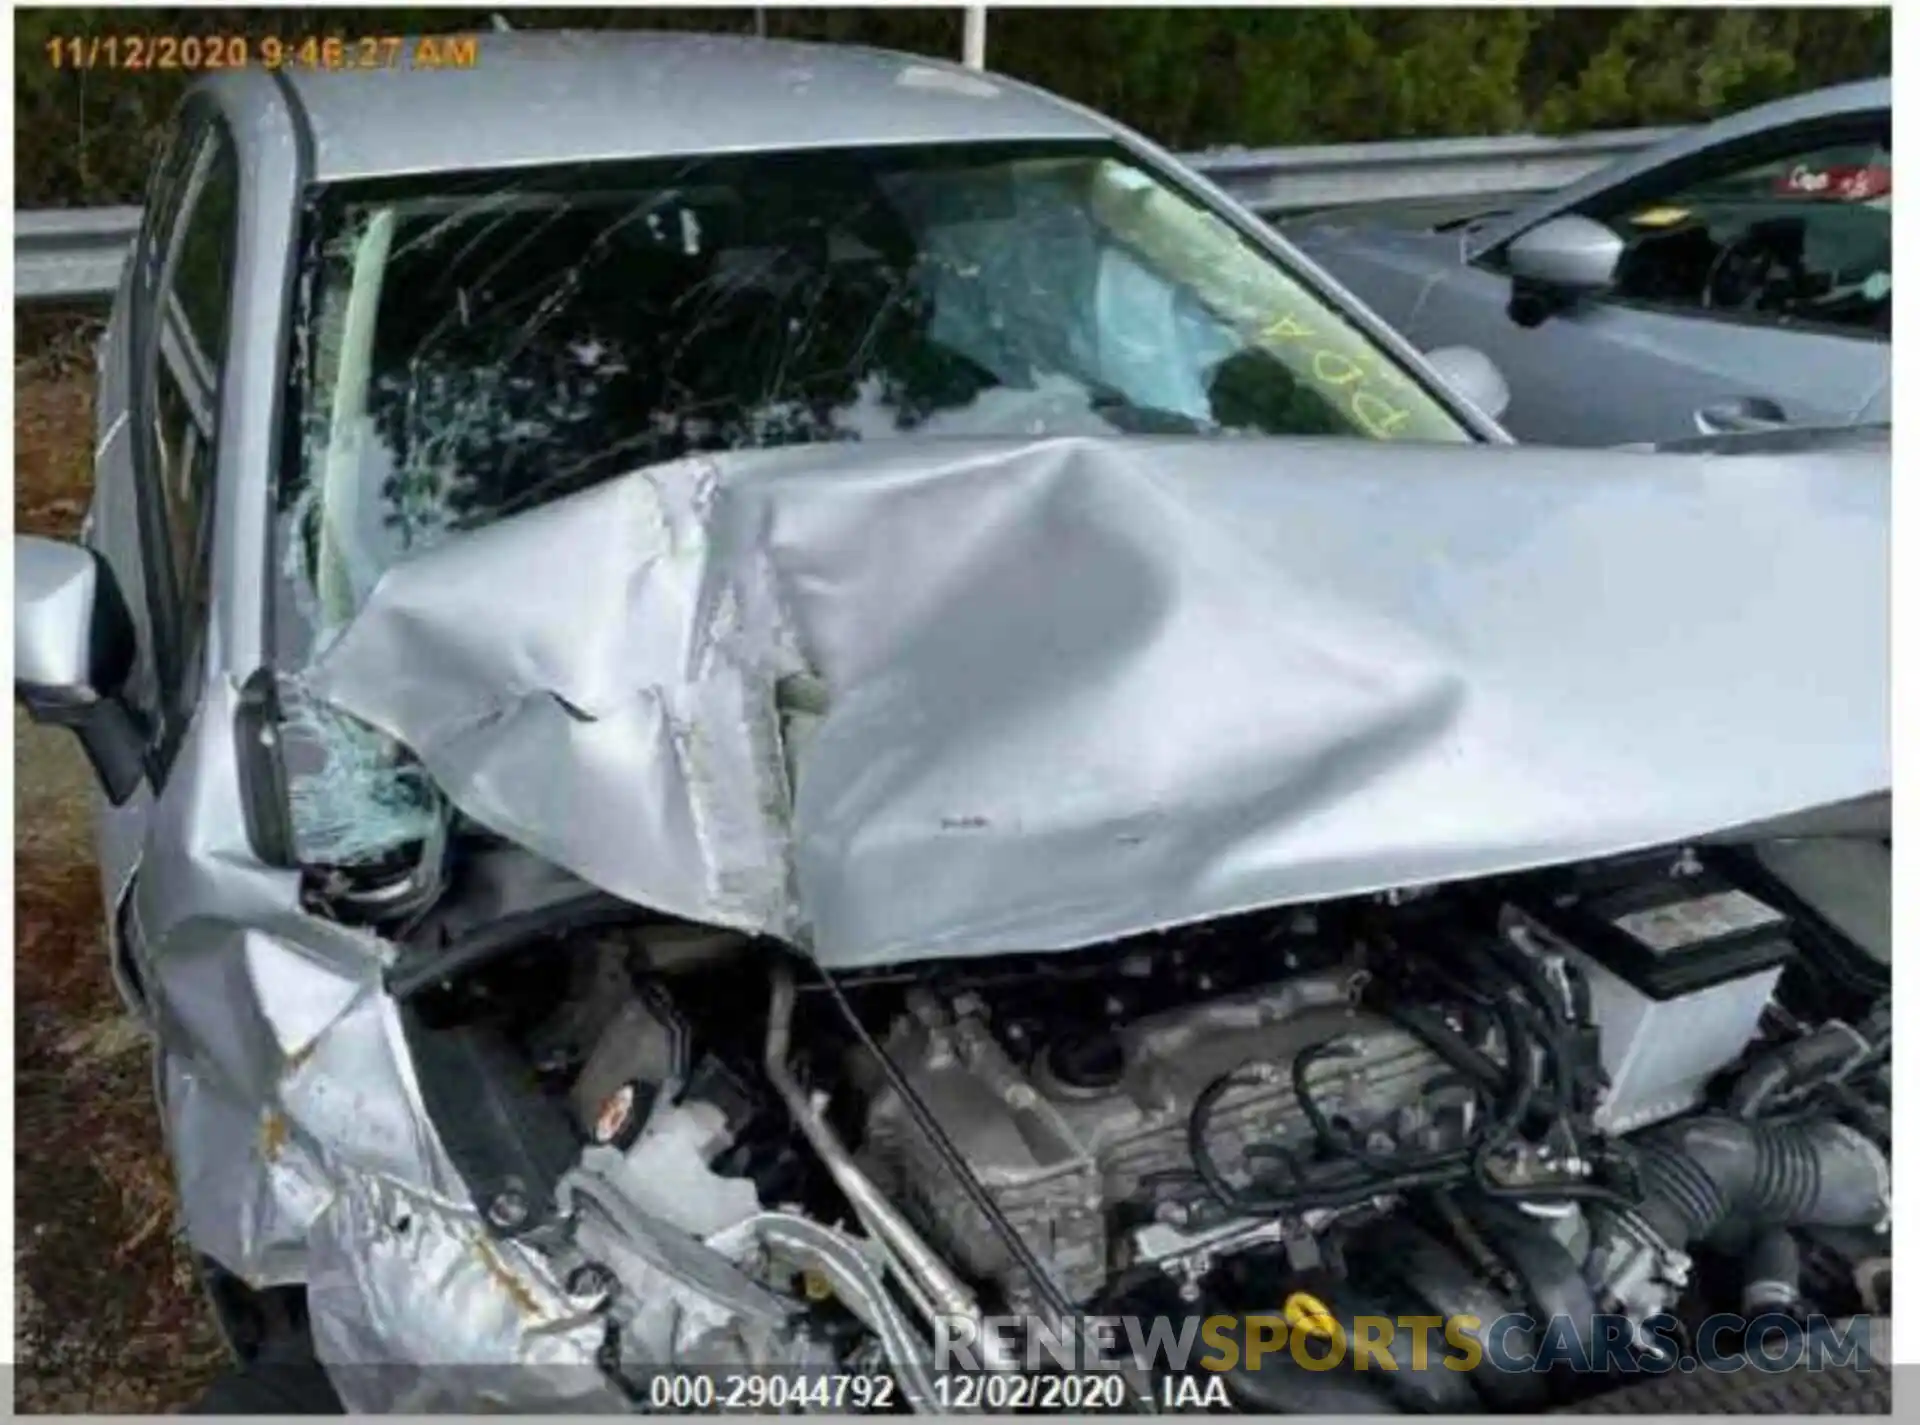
(1708, 1174)
(1255, 1205)
(1772, 1273)
(1826, 1054)
(1377, 1175)
(1871, 1116)
(1431, 1028)
(1337, 1142)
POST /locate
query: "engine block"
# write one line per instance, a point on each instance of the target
(1100, 1118)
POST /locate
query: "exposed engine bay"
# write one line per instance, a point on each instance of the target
(1626, 1095)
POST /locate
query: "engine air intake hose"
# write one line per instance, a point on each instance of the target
(1708, 1174)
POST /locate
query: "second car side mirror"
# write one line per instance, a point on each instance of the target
(72, 650)
(1473, 376)
(1560, 261)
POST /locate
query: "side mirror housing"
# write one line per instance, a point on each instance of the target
(1560, 261)
(1471, 374)
(73, 647)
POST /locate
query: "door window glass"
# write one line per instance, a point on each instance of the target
(167, 190)
(1804, 237)
(190, 328)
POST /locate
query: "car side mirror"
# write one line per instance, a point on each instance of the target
(1559, 262)
(72, 650)
(1471, 375)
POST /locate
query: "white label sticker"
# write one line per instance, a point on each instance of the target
(1674, 927)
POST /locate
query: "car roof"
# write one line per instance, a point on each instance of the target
(563, 97)
(1860, 97)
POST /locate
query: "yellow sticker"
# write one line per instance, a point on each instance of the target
(1660, 217)
(1308, 1314)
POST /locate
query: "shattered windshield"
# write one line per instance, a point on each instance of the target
(477, 347)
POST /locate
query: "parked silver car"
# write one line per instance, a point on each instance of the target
(1735, 276)
(758, 705)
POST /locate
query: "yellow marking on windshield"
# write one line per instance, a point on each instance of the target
(1287, 327)
(1260, 302)
(1380, 418)
(1343, 376)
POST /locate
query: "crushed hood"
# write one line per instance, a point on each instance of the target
(900, 700)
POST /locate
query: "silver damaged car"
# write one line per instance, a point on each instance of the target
(816, 739)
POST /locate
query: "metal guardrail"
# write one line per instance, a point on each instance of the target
(71, 254)
(75, 254)
(1279, 182)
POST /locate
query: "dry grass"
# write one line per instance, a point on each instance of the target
(53, 454)
(110, 1315)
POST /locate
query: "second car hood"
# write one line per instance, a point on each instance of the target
(904, 699)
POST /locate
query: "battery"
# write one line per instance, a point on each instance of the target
(1679, 965)
(1666, 935)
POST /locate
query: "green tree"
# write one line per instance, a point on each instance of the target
(1188, 78)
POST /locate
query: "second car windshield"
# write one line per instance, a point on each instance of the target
(476, 347)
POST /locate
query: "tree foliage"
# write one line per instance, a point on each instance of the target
(1190, 78)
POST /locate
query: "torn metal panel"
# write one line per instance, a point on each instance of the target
(1079, 689)
(417, 1308)
(621, 655)
(302, 1148)
(284, 1072)
(287, 1075)
(248, 1190)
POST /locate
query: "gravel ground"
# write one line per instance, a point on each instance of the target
(109, 1317)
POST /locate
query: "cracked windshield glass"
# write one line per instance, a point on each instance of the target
(475, 348)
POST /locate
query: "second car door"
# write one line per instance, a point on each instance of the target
(1609, 374)
(1676, 338)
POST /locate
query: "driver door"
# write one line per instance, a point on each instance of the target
(1761, 269)
(152, 514)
